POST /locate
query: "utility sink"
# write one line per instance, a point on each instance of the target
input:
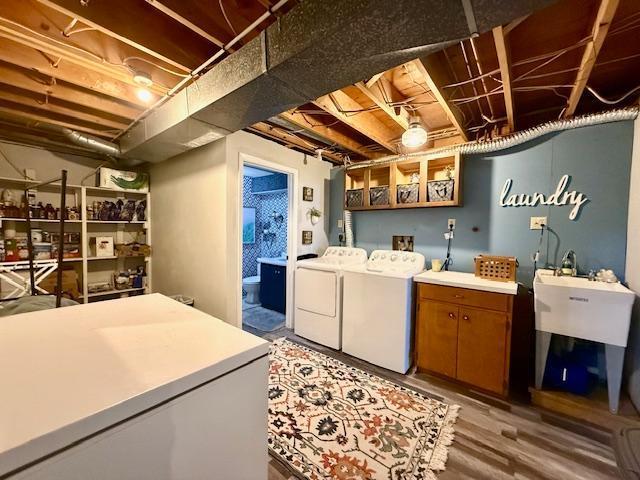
(576, 307)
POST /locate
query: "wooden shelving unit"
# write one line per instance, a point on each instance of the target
(400, 173)
(90, 268)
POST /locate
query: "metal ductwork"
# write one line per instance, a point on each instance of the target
(318, 47)
(84, 140)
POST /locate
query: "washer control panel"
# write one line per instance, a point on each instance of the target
(396, 261)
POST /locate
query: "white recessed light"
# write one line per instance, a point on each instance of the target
(144, 95)
(415, 135)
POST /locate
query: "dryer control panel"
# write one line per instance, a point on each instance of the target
(396, 261)
(344, 255)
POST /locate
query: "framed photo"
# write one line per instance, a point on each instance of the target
(307, 237)
(404, 243)
(307, 194)
(248, 225)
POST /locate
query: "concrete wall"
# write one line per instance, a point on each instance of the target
(189, 221)
(598, 159)
(633, 270)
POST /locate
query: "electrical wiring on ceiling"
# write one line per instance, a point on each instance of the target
(610, 101)
(224, 14)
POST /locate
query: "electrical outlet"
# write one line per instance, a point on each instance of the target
(340, 223)
(537, 222)
(451, 223)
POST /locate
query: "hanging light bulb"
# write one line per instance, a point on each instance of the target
(415, 135)
(144, 80)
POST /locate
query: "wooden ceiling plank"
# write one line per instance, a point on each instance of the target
(72, 55)
(150, 34)
(605, 14)
(43, 86)
(401, 118)
(428, 69)
(505, 74)
(31, 59)
(330, 133)
(40, 102)
(338, 102)
(369, 83)
(291, 140)
(513, 24)
(183, 21)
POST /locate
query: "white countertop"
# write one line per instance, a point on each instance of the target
(466, 280)
(67, 373)
(278, 261)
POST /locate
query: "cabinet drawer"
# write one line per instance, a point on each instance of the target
(464, 296)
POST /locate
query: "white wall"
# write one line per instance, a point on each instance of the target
(188, 214)
(633, 268)
(311, 172)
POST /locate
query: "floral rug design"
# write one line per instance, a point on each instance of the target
(328, 420)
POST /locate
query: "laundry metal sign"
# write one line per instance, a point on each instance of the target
(558, 198)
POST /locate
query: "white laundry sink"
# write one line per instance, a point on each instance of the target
(578, 308)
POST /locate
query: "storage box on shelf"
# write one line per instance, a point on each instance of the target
(86, 267)
(411, 183)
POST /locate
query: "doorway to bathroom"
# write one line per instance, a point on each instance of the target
(266, 235)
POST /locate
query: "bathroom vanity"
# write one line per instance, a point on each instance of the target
(465, 329)
(273, 283)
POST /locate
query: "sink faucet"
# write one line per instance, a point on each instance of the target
(570, 263)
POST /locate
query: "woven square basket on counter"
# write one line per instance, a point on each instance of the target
(500, 269)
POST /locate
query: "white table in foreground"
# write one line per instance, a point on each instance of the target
(136, 388)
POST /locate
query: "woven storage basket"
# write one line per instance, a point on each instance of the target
(440, 190)
(379, 195)
(500, 269)
(355, 197)
(407, 193)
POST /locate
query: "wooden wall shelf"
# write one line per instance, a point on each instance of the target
(365, 187)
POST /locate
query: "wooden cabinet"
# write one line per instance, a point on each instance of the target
(273, 287)
(465, 334)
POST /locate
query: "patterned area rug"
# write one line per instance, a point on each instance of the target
(328, 420)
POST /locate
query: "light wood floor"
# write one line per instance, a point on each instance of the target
(495, 439)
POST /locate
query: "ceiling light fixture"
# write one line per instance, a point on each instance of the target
(144, 95)
(144, 80)
(415, 135)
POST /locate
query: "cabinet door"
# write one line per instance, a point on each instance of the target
(482, 347)
(437, 337)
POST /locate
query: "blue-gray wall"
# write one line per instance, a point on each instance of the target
(597, 158)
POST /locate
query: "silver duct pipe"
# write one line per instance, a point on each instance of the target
(514, 139)
(93, 143)
(509, 141)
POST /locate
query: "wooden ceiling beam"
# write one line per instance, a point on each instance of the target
(369, 83)
(434, 77)
(401, 117)
(505, 74)
(348, 111)
(290, 140)
(43, 86)
(70, 54)
(603, 20)
(185, 22)
(139, 25)
(330, 133)
(32, 59)
(52, 105)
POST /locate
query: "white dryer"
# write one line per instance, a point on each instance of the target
(318, 294)
(377, 308)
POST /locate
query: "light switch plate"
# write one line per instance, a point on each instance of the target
(537, 222)
(340, 223)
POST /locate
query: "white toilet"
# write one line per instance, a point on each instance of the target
(251, 285)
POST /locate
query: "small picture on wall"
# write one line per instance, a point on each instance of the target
(307, 237)
(307, 194)
(404, 243)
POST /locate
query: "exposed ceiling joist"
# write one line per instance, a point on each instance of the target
(290, 140)
(369, 83)
(401, 117)
(348, 111)
(432, 74)
(184, 21)
(70, 54)
(32, 59)
(505, 74)
(329, 133)
(43, 86)
(114, 18)
(598, 34)
(512, 25)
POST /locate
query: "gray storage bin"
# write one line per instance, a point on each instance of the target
(379, 195)
(355, 197)
(408, 193)
(440, 190)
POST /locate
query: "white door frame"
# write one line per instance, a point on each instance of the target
(292, 227)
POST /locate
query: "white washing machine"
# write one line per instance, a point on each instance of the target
(318, 294)
(377, 308)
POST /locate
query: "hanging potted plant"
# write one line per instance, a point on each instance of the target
(314, 215)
